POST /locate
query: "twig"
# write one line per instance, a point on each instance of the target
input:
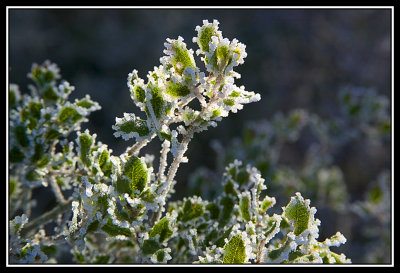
(260, 248)
(56, 189)
(135, 148)
(184, 146)
(172, 171)
(163, 160)
(46, 217)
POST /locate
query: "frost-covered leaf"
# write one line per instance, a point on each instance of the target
(192, 209)
(298, 211)
(114, 230)
(14, 96)
(244, 206)
(160, 233)
(178, 56)
(159, 107)
(228, 205)
(33, 175)
(161, 255)
(204, 34)
(177, 90)
(267, 203)
(85, 142)
(69, 114)
(235, 251)
(87, 103)
(104, 162)
(162, 229)
(134, 176)
(44, 74)
(21, 135)
(131, 126)
(282, 251)
(15, 155)
(213, 210)
(150, 246)
(136, 171)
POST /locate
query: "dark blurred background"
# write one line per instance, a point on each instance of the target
(297, 58)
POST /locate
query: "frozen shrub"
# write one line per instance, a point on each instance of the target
(119, 210)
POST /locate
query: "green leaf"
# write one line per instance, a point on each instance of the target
(32, 175)
(273, 226)
(123, 185)
(102, 203)
(276, 253)
(214, 210)
(284, 224)
(114, 230)
(234, 94)
(44, 74)
(161, 228)
(85, 144)
(14, 96)
(222, 52)
(136, 171)
(165, 135)
(21, 135)
(93, 226)
(298, 211)
(139, 93)
(42, 162)
(150, 246)
(68, 114)
(375, 195)
(104, 158)
(235, 251)
(12, 186)
(38, 152)
(177, 90)
(102, 259)
(228, 204)
(50, 94)
(205, 38)
(16, 155)
(52, 134)
(244, 206)
(266, 204)
(85, 103)
(147, 196)
(385, 127)
(49, 249)
(191, 211)
(221, 57)
(160, 255)
(105, 162)
(354, 110)
(34, 109)
(182, 58)
(79, 257)
(134, 125)
(243, 177)
(160, 107)
(216, 113)
(229, 188)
